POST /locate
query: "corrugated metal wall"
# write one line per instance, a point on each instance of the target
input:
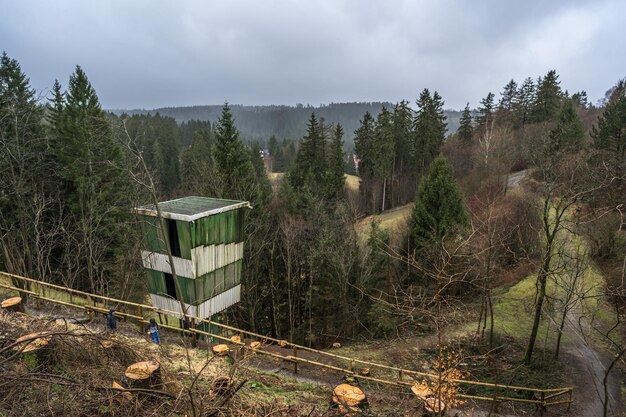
(215, 305)
(211, 257)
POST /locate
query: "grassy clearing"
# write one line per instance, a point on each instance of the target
(391, 220)
(352, 182)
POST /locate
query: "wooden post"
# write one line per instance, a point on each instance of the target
(295, 363)
(571, 394)
(352, 365)
(400, 374)
(37, 299)
(194, 335)
(542, 407)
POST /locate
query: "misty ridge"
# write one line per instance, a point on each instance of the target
(262, 122)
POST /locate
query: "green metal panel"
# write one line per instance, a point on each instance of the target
(184, 238)
(156, 282)
(219, 281)
(229, 276)
(151, 235)
(188, 287)
(238, 271)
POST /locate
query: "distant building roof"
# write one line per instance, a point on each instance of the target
(191, 208)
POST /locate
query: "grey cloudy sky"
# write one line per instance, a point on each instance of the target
(147, 54)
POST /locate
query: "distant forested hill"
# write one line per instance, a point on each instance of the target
(261, 122)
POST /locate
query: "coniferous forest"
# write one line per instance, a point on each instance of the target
(529, 188)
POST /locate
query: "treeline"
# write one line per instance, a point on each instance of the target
(258, 123)
(71, 174)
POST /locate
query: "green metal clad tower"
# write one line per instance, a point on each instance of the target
(206, 238)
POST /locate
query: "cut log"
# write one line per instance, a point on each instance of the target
(336, 345)
(348, 397)
(421, 391)
(282, 343)
(255, 345)
(236, 339)
(39, 342)
(144, 374)
(220, 350)
(13, 304)
(36, 346)
(364, 371)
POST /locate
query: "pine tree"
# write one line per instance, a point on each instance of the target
(402, 132)
(196, 165)
(524, 102)
(365, 151)
(310, 164)
(95, 189)
(384, 150)
(569, 132)
(231, 160)
(363, 144)
(466, 130)
(335, 178)
(429, 128)
(548, 99)
(439, 211)
(26, 174)
(580, 99)
(609, 134)
(508, 96)
(486, 110)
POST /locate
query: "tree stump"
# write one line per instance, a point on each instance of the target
(421, 391)
(255, 345)
(336, 345)
(236, 339)
(145, 374)
(36, 346)
(220, 386)
(282, 343)
(220, 350)
(434, 406)
(348, 398)
(13, 304)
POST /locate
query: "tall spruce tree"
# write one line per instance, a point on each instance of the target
(568, 134)
(486, 110)
(25, 173)
(609, 134)
(548, 99)
(335, 178)
(466, 129)
(508, 96)
(384, 151)
(523, 105)
(196, 167)
(310, 164)
(438, 211)
(429, 129)
(365, 151)
(95, 189)
(231, 161)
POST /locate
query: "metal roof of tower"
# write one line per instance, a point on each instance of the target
(191, 208)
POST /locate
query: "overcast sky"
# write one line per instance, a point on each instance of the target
(148, 54)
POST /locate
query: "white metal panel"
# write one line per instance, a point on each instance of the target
(165, 303)
(220, 302)
(212, 257)
(160, 262)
